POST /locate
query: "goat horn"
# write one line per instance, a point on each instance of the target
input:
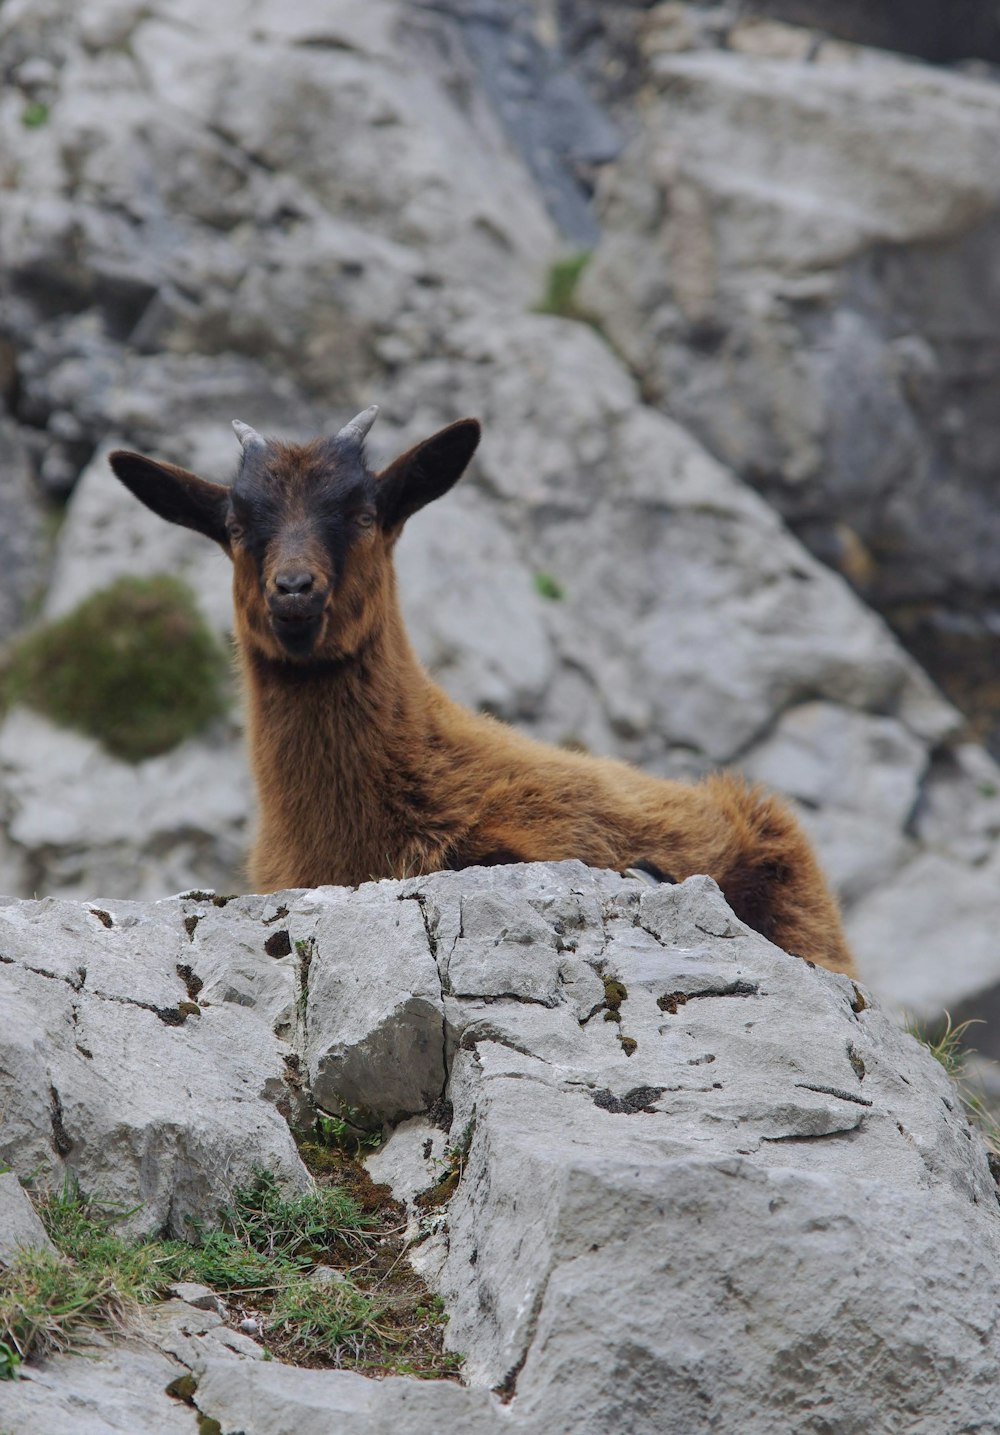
(358, 427)
(249, 438)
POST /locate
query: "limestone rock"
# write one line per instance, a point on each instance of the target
(691, 1181)
(113, 1072)
(374, 1042)
(750, 1077)
(794, 259)
(267, 1398)
(461, 573)
(954, 955)
(114, 1392)
(78, 821)
(20, 1227)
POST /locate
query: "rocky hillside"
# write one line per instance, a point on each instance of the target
(284, 212)
(672, 1177)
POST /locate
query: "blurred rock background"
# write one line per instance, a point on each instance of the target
(721, 281)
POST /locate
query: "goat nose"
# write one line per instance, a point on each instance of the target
(293, 582)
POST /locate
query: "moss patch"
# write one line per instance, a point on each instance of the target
(615, 993)
(560, 286)
(134, 665)
(34, 115)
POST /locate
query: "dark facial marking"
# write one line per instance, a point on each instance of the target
(317, 494)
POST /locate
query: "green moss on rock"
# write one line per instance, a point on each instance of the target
(560, 286)
(135, 665)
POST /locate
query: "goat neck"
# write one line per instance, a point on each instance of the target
(333, 747)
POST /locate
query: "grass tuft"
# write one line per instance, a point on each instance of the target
(947, 1045)
(322, 1277)
(135, 666)
(93, 1281)
(560, 286)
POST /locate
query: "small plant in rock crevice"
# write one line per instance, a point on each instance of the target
(10, 1362)
(346, 1132)
(947, 1044)
(134, 666)
(452, 1169)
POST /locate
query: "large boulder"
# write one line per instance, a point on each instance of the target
(663, 1174)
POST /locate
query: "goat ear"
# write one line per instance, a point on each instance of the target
(175, 494)
(425, 471)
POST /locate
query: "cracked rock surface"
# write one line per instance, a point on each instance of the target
(669, 1177)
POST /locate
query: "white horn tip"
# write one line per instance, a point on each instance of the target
(360, 424)
(248, 437)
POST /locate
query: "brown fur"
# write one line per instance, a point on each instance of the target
(366, 769)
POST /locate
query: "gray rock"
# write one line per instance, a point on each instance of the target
(116, 1391)
(251, 963)
(24, 548)
(268, 1398)
(197, 1296)
(113, 1074)
(772, 267)
(374, 1033)
(107, 1388)
(750, 1078)
(947, 959)
(20, 1227)
(683, 1216)
(934, 29)
(460, 573)
(547, 111)
(858, 779)
(78, 821)
(428, 187)
(193, 1332)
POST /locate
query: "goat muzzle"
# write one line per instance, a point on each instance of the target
(296, 616)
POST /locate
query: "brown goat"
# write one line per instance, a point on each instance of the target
(366, 769)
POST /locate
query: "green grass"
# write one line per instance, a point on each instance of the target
(560, 286)
(34, 115)
(947, 1044)
(135, 666)
(10, 1362)
(261, 1256)
(548, 587)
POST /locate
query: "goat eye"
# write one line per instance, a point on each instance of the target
(364, 519)
(235, 532)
